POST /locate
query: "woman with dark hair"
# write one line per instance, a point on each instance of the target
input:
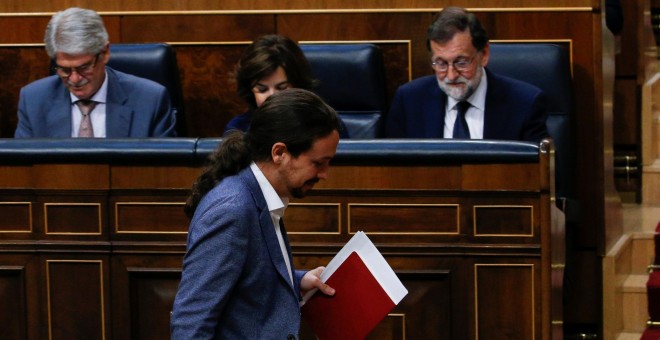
(270, 64)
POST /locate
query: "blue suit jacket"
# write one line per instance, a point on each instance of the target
(135, 107)
(234, 283)
(514, 110)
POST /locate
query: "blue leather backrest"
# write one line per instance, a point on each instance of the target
(156, 62)
(548, 67)
(351, 80)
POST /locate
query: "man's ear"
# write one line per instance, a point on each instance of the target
(277, 152)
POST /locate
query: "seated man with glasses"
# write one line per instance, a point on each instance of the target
(464, 99)
(85, 98)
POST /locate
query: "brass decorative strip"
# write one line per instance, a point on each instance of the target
(48, 298)
(476, 292)
(531, 222)
(315, 11)
(46, 205)
(354, 230)
(20, 231)
(339, 224)
(117, 227)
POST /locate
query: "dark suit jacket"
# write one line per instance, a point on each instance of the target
(514, 110)
(234, 283)
(135, 107)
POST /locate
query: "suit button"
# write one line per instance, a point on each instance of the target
(291, 337)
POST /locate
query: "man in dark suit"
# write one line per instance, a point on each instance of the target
(464, 99)
(85, 98)
(238, 279)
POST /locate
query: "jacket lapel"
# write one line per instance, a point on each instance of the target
(118, 117)
(58, 119)
(268, 229)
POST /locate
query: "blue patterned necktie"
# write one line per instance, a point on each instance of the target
(461, 130)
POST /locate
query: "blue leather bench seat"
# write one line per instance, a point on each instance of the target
(97, 150)
(194, 151)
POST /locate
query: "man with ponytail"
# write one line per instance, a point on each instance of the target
(238, 280)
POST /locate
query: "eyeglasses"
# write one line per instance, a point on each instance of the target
(82, 70)
(459, 65)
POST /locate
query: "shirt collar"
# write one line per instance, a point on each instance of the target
(276, 204)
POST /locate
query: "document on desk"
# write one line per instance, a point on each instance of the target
(366, 289)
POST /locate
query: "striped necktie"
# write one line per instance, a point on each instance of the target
(86, 106)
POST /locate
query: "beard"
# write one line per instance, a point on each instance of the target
(465, 88)
(301, 192)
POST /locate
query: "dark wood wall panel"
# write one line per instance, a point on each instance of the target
(150, 217)
(73, 218)
(20, 65)
(313, 218)
(419, 218)
(145, 285)
(626, 121)
(150, 177)
(403, 177)
(196, 28)
(265, 5)
(76, 311)
(506, 221)
(503, 309)
(208, 79)
(61, 176)
(16, 217)
(392, 327)
(408, 27)
(13, 316)
(152, 296)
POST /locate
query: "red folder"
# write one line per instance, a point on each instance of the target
(358, 305)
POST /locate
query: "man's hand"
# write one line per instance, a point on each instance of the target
(312, 280)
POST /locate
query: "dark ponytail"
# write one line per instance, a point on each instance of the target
(231, 156)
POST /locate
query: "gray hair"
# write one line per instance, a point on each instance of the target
(75, 31)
